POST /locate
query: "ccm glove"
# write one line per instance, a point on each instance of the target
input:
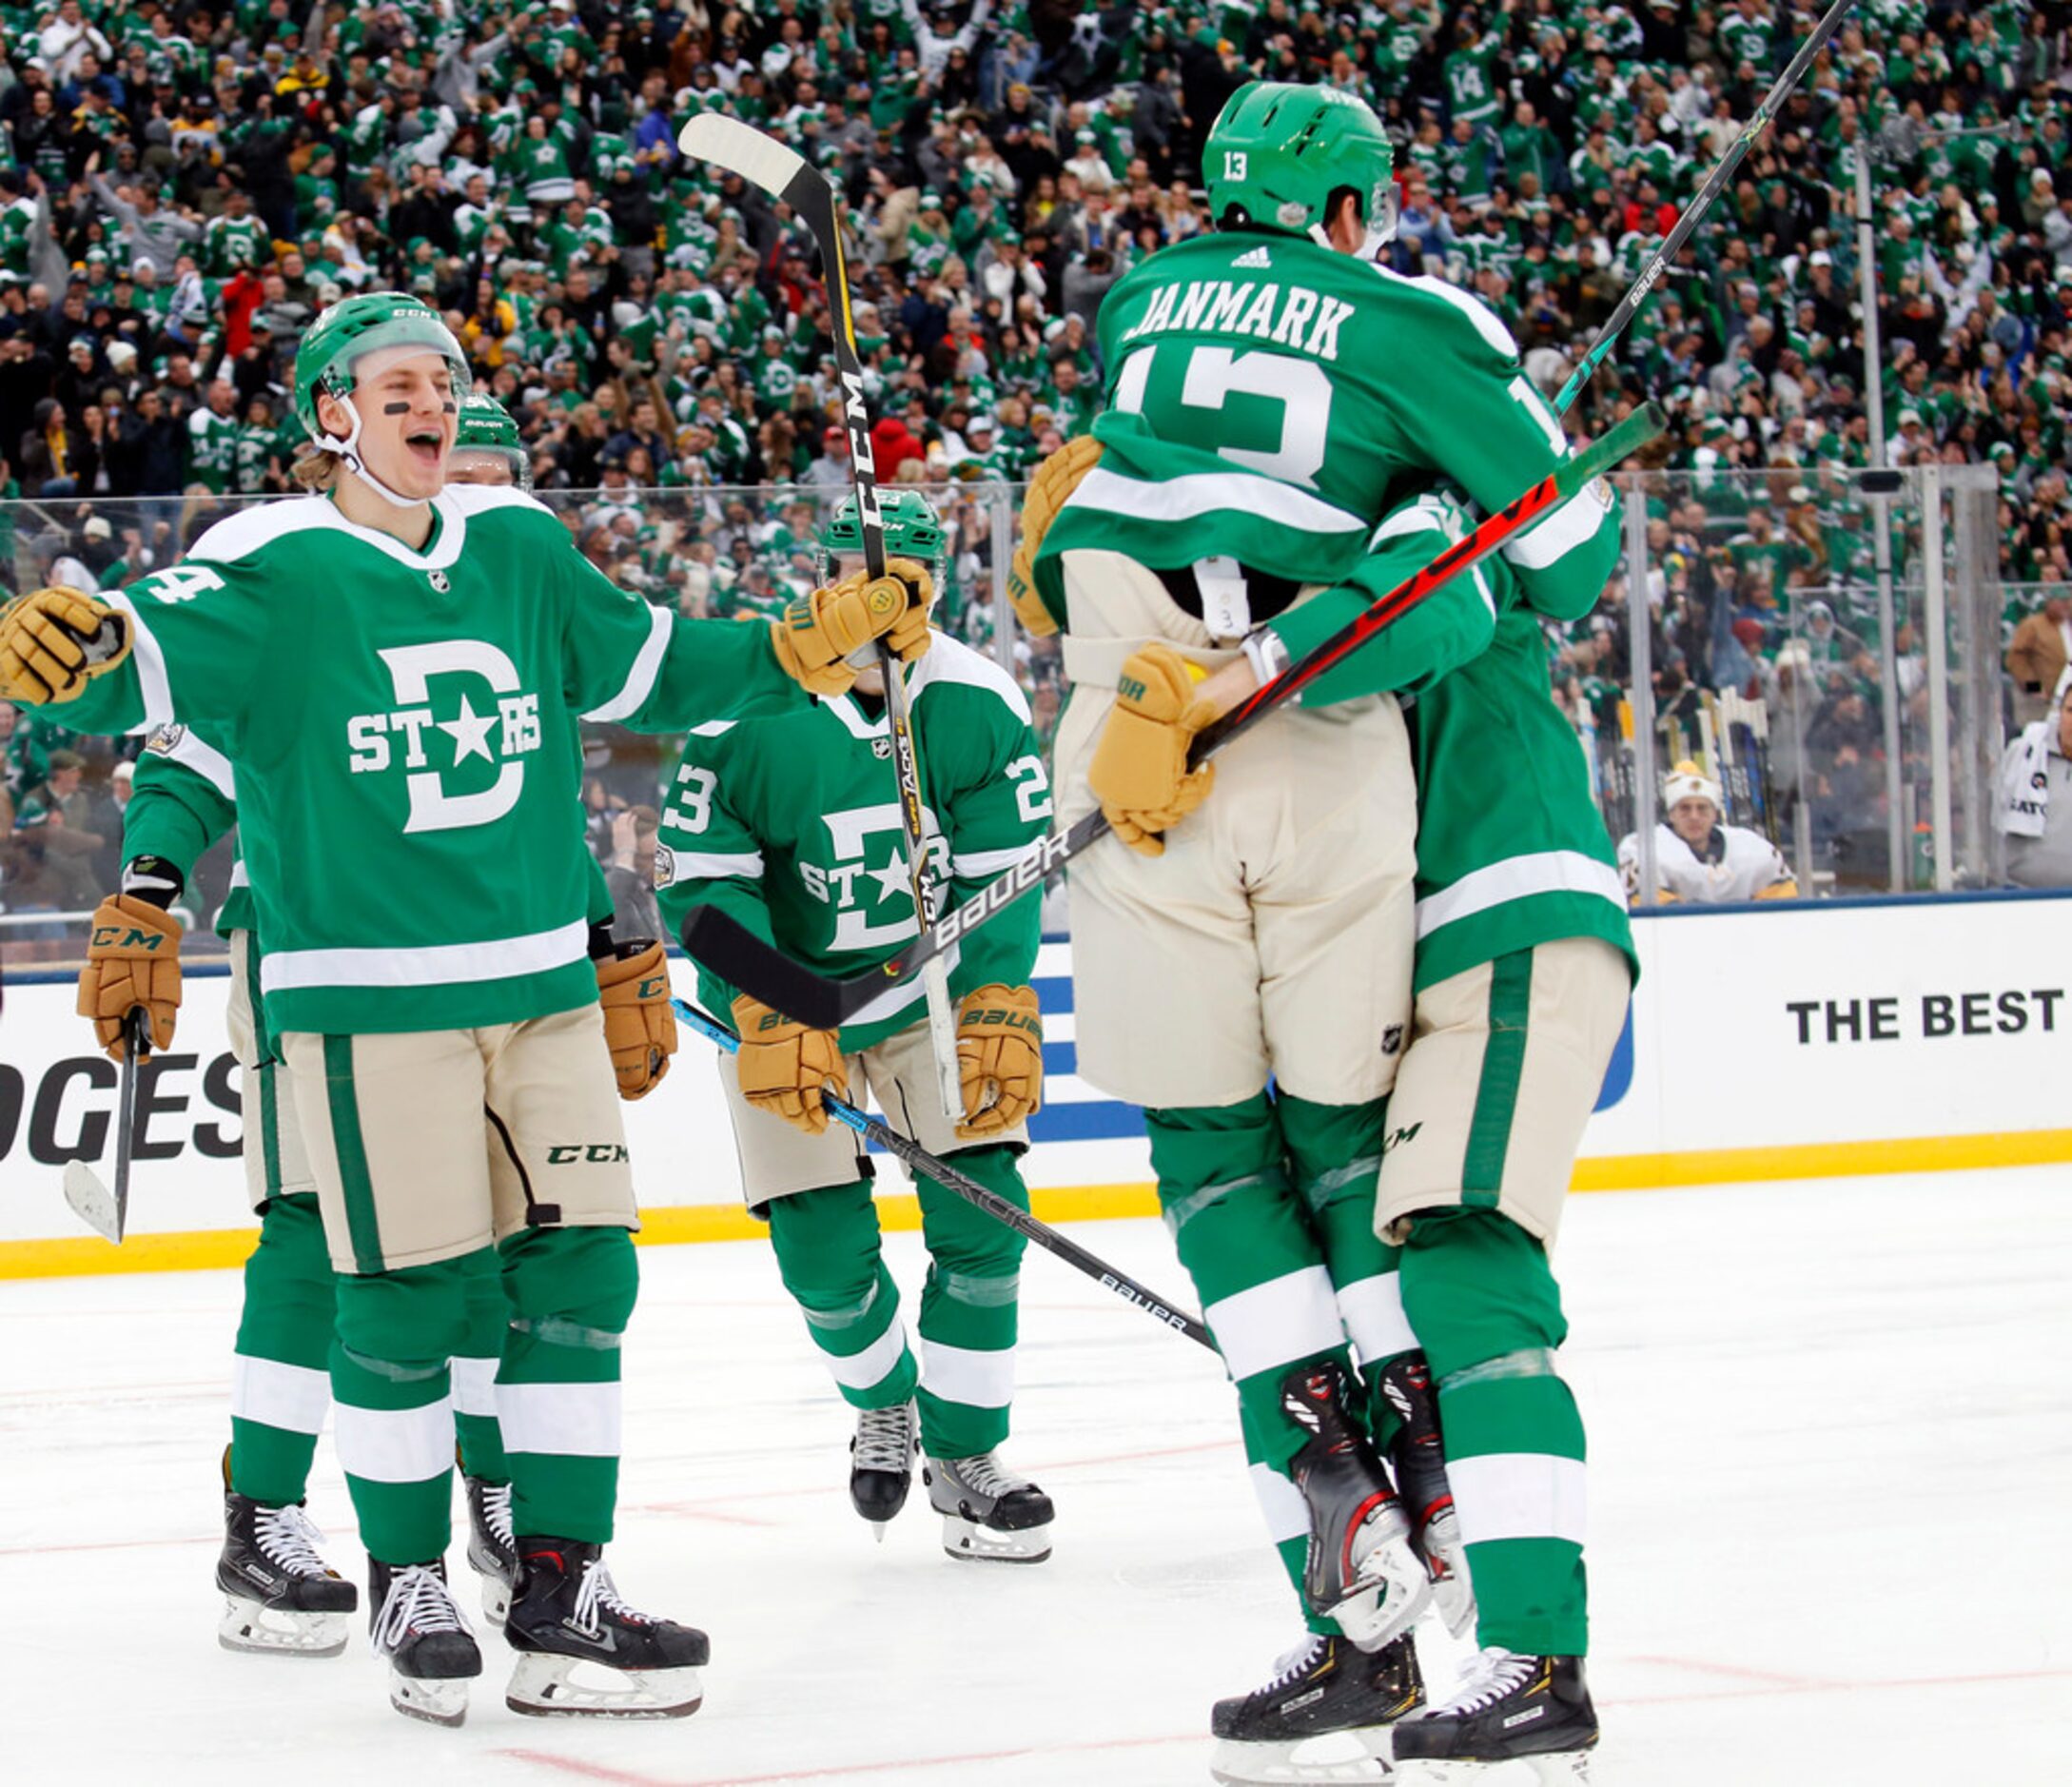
(133, 959)
(54, 641)
(1000, 1059)
(639, 1028)
(816, 632)
(1140, 772)
(1054, 482)
(783, 1065)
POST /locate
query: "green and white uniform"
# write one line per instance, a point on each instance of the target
(788, 822)
(401, 725)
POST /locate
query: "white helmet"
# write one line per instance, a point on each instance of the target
(1687, 781)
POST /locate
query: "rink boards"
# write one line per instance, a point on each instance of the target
(1765, 1042)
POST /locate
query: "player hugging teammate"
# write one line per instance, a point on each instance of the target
(393, 671)
(1365, 971)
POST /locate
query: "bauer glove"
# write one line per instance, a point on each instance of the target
(639, 1027)
(133, 959)
(54, 641)
(1000, 1059)
(1140, 772)
(816, 632)
(1054, 482)
(783, 1065)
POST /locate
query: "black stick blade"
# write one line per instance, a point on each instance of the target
(742, 959)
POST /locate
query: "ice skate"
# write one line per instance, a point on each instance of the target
(1323, 1716)
(881, 1464)
(490, 1554)
(1418, 1457)
(1506, 1708)
(566, 1617)
(280, 1597)
(1359, 1568)
(989, 1511)
(417, 1626)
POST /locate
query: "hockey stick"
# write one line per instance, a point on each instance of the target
(105, 1214)
(1716, 183)
(1035, 1228)
(785, 175)
(738, 956)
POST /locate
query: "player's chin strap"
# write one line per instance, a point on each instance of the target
(347, 449)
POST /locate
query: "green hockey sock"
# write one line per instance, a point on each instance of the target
(281, 1383)
(479, 1439)
(829, 1257)
(570, 1292)
(968, 1308)
(1483, 1299)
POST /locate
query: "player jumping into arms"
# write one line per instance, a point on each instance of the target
(787, 821)
(281, 1596)
(393, 669)
(1274, 396)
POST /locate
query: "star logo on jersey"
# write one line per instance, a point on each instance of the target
(501, 733)
(470, 734)
(867, 873)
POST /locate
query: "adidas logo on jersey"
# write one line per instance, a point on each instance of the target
(1254, 257)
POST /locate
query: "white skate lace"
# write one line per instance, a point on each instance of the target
(289, 1537)
(1485, 1679)
(496, 1514)
(596, 1593)
(418, 1599)
(987, 1474)
(1291, 1665)
(884, 1437)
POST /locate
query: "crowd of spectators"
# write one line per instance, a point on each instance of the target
(182, 187)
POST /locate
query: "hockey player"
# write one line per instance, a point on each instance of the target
(1698, 857)
(487, 448)
(787, 821)
(393, 667)
(1273, 397)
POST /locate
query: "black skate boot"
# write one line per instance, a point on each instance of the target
(565, 1612)
(1507, 1708)
(490, 1554)
(1326, 1689)
(417, 1626)
(989, 1511)
(1359, 1568)
(1417, 1456)
(280, 1597)
(881, 1464)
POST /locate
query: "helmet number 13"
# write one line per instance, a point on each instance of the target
(1301, 388)
(1234, 165)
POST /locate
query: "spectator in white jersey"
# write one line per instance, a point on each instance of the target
(1699, 857)
(2034, 809)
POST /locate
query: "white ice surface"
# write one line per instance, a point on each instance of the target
(1830, 1466)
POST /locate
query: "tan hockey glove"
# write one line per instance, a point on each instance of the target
(1054, 482)
(1000, 1059)
(784, 1065)
(133, 959)
(816, 632)
(1140, 772)
(639, 1028)
(49, 650)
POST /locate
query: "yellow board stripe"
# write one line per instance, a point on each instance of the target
(211, 1249)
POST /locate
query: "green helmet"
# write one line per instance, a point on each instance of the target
(912, 530)
(485, 426)
(360, 324)
(1278, 153)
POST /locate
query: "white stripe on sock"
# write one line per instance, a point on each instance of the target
(868, 1370)
(1518, 1495)
(571, 1420)
(1371, 1309)
(965, 1374)
(1288, 1317)
(396, 1444)
(474, 1386)
(294, 1398)
(1281, 1502)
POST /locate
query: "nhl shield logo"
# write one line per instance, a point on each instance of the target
(440, 582)
(1392, 1039)
(881, 747)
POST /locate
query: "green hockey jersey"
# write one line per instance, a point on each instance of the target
(790, 822)
(1270, 401)
(402, 726)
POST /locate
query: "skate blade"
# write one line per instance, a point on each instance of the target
(970, 1543)
(435, 1700)
(1348, 1757)
(547, 1688)
(274, 1632)
(1566, 1768)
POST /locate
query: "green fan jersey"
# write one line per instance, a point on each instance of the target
(403, 724)
(1270, 400)
(1510, 848)
(212, 450)
(232, 243)
(790, 823)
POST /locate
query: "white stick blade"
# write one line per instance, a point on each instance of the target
(760, 160)
(90, 1200)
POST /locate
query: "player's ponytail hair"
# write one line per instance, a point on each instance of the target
(317, 469)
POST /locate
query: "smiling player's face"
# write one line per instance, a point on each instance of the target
(407, 424)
